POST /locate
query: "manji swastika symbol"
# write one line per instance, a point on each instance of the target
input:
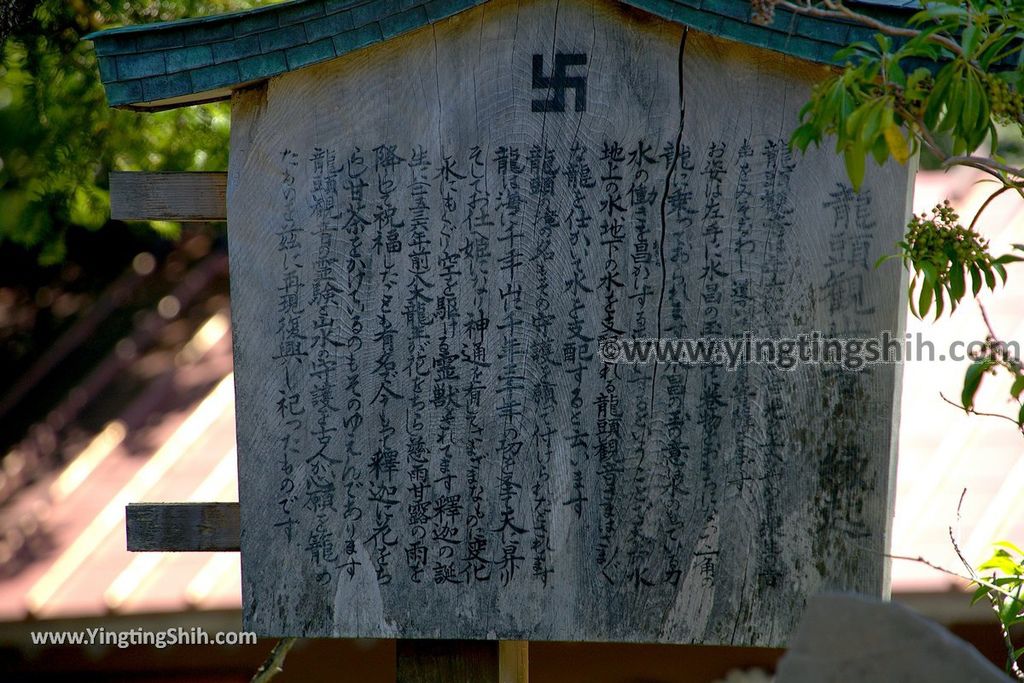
(558, 82)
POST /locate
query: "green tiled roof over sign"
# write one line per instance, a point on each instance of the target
(175, 63)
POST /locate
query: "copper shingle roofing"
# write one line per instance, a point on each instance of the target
(171, 64)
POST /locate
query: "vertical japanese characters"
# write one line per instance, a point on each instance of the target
(442, 417)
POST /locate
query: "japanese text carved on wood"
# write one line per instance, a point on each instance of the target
(431, 238)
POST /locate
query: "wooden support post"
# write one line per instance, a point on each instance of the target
(185, 527)
(182, 527)
(462, 661)
(168, 196)
(513, 661)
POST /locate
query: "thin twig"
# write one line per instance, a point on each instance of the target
(992, 197)
(920, 560)
(1011, 661)
(274, 662)
(927, 563)
(1005, 358)
(956, 544)
(972, 411)
(988, 323)
(929, 141)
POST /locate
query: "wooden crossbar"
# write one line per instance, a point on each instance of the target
(183, 527)
(191, 527)
(168, 196)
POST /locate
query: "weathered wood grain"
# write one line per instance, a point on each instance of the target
(429, 443)
(432, 661)
(194, 196)
(182, 527)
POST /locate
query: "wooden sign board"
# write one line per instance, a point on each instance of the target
(430, 240)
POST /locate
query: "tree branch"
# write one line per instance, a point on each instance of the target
(984, 164)
(921, 560)
(837, 10)
(972, 411)
(974, 222)
(14, 13)
(988, 323)
(1011, 661)
(274, 663)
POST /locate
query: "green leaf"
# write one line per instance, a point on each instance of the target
(840, 101)
(970, 39)
(803, 136)
(883, 258)
(924, 303)
(980, 593)
(910, 296)
(1001, 270)
(972, 380)
(976, 122)
(872, 122)
(880, 150)
(931, 274)
(1017, 387)
(1008, 258)
(969, 113)
(854, 126)
(1009, 546)
(956, 282)
(897, 143)
(854, 155)
(990, 53)
(896, 74)
(939, 301)
(990, 278)
(1020, 417)
(853, 49)
(937, 97)
(935, 12)
(919, 47)
(954, 105)
(1003, 582)
(1001, 561)
(975, 279)
(959, 146)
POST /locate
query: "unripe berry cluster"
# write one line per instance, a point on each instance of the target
(939, 239)
(1007, 104)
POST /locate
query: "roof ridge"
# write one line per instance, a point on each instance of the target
(337, 5)
(188, 61)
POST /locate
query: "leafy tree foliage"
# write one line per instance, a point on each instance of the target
(948, 82)
(58, 137)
